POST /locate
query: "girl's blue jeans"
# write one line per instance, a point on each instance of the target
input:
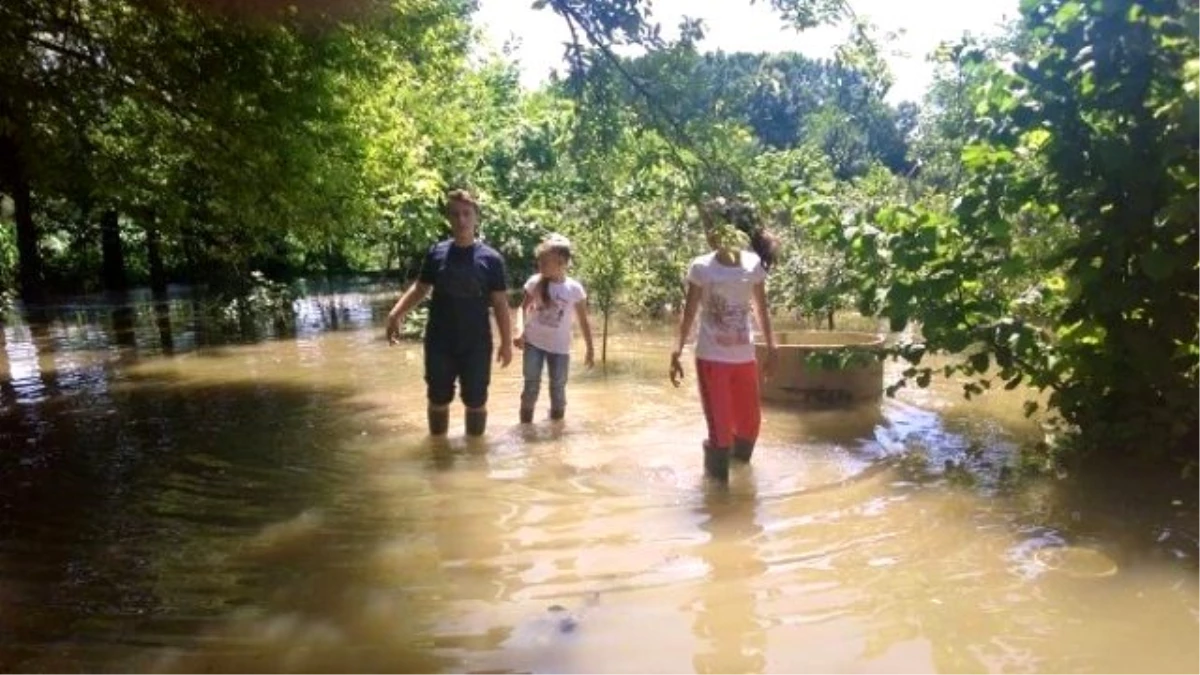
(557, 364)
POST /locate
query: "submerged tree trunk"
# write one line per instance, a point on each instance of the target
(124, 323)
(162, 318)
(112, 253)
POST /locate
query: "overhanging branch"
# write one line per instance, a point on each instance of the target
(656, 109)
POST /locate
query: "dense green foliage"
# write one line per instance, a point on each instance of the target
(212, 143)
(1034, 217)
(1065, 254)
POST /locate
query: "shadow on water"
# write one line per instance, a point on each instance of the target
(138, 517)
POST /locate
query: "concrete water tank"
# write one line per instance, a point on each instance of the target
(824, 368)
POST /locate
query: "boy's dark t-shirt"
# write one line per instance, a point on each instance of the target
(463, 278)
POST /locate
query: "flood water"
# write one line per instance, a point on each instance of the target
(170, 503)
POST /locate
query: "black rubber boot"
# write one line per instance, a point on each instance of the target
(476, 422)
(557, 414)
(439, 421)
(742, 450)
(716, 462)
(526, 415)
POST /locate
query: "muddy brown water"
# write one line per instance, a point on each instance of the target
(171, 503)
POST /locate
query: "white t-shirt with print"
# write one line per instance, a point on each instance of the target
(725, 306)
(548, 327)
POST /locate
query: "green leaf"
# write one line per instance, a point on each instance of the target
(1158, 264)
(1067, 14)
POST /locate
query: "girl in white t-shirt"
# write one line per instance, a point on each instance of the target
(551, 300)
(723, 286)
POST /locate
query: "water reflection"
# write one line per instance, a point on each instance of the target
(162, 319)
(246, 550)
(848, 428)
(8, 376)
(44, 382)
(123, 326)
(728, 625)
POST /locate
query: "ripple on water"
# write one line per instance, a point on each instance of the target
(261, 536)
(623, 456)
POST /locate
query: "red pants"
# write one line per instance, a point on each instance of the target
(729, 394)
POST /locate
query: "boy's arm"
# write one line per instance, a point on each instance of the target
(504, 323)
(498, 294)
(411, 298)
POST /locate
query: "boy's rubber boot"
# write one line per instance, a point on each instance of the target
(526, 415)
(557, 414)
(476, 422)
(439, 421)
(716, 462)
(742, 450)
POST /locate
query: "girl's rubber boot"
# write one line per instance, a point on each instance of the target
(439, 421)
(526, 415)
(742, 450)
(476, 422)
(558, 414)
(716, 462)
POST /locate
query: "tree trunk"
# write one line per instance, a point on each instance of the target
(387, 261)
(112, 253)
(158, 277)
(191, 253)
(14, 177)
(28, 252)
(331, 259)
(604, 340)
(830, 317)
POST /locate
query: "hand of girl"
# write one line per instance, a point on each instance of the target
(676, 369)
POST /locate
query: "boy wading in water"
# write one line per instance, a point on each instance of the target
(551, 300)
(467, 278)
(722, 286)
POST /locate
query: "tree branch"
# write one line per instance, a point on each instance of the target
(63, 50)
(656, 109)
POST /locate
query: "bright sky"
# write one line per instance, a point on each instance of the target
(738, 25)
